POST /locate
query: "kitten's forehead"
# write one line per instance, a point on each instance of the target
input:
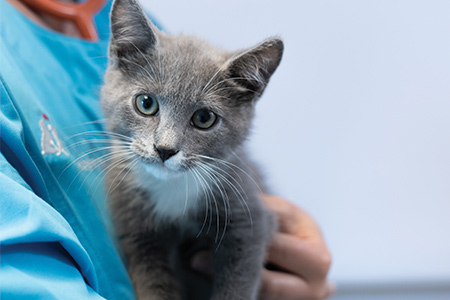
(188, 61)
(191, 50)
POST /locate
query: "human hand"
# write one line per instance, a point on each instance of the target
(299, 249)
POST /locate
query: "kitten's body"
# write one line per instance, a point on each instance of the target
(175, 183)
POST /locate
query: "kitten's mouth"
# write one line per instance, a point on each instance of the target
(161, 170)
(156, 167)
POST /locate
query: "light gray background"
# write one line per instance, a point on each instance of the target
(354, 127)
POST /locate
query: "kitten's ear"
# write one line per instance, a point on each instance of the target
(253, 68)
(132, 33)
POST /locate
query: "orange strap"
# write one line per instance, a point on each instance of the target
(82, 14)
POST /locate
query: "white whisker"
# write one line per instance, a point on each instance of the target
(122, 156)
(225, 200)
(200, 180)
(209, 192)
(82, 156)
(101, 132)
(207, 173)
(236, 189)
(103, 159)
(100, 121)
(100, 141)
(187, 193)
(231, 165)
(130, 166)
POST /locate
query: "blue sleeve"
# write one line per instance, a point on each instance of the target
(41, 257)
(38, 247)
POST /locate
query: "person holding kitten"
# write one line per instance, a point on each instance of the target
(53, 237)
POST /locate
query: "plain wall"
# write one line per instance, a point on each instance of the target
(354, 125)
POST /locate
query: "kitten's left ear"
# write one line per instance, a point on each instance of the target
(132, 33)
(252, 69)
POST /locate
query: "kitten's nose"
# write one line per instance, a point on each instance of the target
(165, 153)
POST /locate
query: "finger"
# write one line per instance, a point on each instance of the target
(292, 219)
(284, 286)
(306, 259)
(329, 290)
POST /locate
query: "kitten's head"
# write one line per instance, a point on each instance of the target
(178, 98)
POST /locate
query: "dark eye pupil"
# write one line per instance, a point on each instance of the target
(147, 102)
(204, 116)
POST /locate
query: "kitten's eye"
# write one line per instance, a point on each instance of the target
(146, 105)
(203, 119)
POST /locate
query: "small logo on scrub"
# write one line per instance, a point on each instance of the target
(50, 142)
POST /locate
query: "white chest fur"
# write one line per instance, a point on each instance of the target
(172, 197)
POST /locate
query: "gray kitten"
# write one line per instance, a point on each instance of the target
(179, 111)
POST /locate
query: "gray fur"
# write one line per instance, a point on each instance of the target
(210, 177)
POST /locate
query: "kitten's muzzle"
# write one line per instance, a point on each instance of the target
(165, 153)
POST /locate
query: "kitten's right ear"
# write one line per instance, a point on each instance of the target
(251, 69)
(132, 33)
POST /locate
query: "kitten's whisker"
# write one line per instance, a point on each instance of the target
(98, 132)
(225, 199)
(219, 169)
(130, 166)
(224, 163)
(213, 198)
(221, 188)
(196, 182)
(101, 132)
(97, 57)
(237, 192)
(213, 180)
(191, 170)
(251, 177)
(206, 201)
(121, 158)
(214, 173)
(118, 174)
(231, 165)
(100, 141)
(122, 155)
(187, 193)
(82, 156)
(86, 123)
(112, 156)
(103, 159)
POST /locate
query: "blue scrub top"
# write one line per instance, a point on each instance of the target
(55, 234)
